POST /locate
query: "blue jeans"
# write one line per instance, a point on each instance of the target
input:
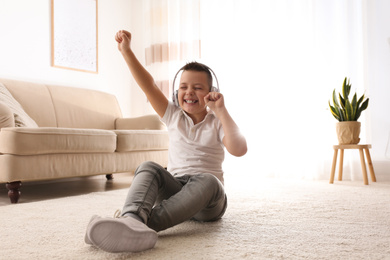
(163, 201)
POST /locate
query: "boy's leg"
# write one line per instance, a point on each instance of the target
(202, 198)
(126, 234)
(150, 184)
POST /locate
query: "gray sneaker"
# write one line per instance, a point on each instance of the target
(120, 234)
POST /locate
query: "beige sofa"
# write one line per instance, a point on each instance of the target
(52, 132)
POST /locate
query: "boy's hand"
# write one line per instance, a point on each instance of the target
(123, 38)
(215, 101)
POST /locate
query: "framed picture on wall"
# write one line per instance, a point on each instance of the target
(74, 34)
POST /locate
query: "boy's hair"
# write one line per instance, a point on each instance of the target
(196, 66)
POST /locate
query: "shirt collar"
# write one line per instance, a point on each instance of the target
(209, 113)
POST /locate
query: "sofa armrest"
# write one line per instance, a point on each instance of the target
(6, 116)
(149, 122)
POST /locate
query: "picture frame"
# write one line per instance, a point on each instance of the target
(74, 35)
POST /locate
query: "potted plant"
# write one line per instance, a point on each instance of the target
(347, 112)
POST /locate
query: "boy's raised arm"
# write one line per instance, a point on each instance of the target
(233, 140)
(143, 78)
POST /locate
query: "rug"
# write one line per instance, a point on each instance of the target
(266, 219)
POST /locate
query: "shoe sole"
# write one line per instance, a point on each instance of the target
(115, 236)
(86, 238)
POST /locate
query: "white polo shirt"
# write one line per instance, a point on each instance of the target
(194, 149)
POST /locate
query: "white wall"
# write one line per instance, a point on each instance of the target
(25, 49)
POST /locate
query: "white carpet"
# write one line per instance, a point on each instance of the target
(269, 219)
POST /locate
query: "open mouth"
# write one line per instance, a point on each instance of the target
(190, 101)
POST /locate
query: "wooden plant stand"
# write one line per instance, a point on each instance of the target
(360, 147)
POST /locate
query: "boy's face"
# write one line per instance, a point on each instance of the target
(192, 90)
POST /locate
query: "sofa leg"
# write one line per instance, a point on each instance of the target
(13, 190)
(109, 177)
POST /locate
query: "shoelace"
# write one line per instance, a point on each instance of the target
(117, 213)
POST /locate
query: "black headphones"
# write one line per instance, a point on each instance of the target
(175, 98)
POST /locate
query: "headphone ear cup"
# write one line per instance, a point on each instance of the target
(175, 98)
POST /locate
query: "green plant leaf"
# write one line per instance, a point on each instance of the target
(361, 108)
(346, 89)
(364, 105)
(357, 115)
(335, 102)
(349, 87)
(354, 107)
(343, 88)
(334, 112)
(360, 100)
(342, 101)
(341, 113)
(348, 110)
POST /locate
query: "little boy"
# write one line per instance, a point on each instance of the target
(199, 128)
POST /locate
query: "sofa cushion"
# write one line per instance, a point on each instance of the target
(84, 108)
(141, 140)
(20, 116)
(50, 140)
(147, 122)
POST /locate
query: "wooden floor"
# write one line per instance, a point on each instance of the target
(39, 191)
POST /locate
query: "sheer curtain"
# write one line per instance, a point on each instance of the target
(172, 38)
(277, 63)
